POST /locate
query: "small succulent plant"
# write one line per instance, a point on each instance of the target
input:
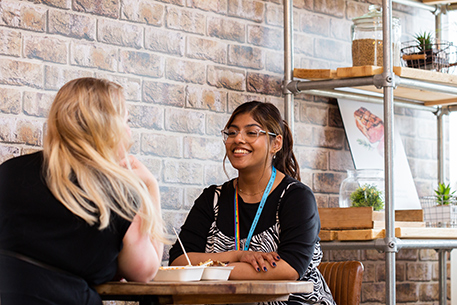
(424, 40)
(443, 194)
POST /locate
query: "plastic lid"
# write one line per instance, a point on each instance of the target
(374, 14)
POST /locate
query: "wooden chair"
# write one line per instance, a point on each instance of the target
(344, 280)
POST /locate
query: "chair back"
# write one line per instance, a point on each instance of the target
(344, 280)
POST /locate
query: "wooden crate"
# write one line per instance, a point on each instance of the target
(365, 218)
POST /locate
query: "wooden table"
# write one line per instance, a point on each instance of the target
(202, 292)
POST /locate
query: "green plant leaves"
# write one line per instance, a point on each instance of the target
(367, 196)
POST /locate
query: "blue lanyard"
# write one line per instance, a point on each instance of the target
(259, 209)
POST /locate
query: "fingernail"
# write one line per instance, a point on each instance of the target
(274, 264)
(258, 269)
(265, 269)
(278, 257)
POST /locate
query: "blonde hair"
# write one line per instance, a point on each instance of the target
(85, 134)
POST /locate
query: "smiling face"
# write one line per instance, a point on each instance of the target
(255, 155)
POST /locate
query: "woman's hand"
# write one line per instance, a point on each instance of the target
(259, 260)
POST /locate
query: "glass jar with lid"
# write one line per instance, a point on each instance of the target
(367, 40)
(362, 187)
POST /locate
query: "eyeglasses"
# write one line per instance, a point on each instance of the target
(249, 135)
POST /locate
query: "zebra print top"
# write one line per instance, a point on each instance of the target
(289, 225)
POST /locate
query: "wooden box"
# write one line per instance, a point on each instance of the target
(366, 218)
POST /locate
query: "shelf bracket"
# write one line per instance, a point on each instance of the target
(385, 80)
(387, 245)
(285, 89)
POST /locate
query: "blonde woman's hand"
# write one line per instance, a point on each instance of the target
(261, 261)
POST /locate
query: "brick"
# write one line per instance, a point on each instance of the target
(132, 86)
(331, 138)
(315, 23)
(373, 292)
(375, 255)
(107, 8)
(215, 122)
(306, 4)
(399, 272)
(356, 9)
(153, 164)
(143, 11)
(203, 148)
(339, 29)
(417, 148)
(369, 272)
(328, 182)
(23, 15)
(333, 201)
(407, 254)
(185, 120)
(321, 200)
(314, 114)
(183, 172)
(214, 173)
(428, 255)
(169, 42)
(278, 102)
(206, 49)
(55, 3)
(57, 76)
(141, 63)
(147, 116)
(427, 129)
(8, 152)
(10, 101)
(185, 71)
(173, 219)
(37, 103)
(190, 195)
(246, 56)
(303, 135)
(313, 159)
(46, 48)
(72, 25)
(274, 14)
(135, 139)
(330, 7)
(407, 292)
(224, 28)
(266, 37)
(10, 42)
(263, 83)
(176, 2)
(345, 255)
(185, 20)
(429, 292)
(423, 170)
(274, 61)
(162, 145)
(204, 98)
(250, 10)
(340, 160)
(325, 49)
(222, 77)
(303, 44)
(20, 73)
(164, 93)
(21, 131)
(334, 118)
(217, 6)
(419, 271)
(236, 99)
(99, 56)
(171, 197)
(120, 34)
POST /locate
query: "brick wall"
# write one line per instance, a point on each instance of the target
(185, 65)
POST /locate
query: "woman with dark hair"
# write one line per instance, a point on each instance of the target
(264, 222)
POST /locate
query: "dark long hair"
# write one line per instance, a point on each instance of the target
(269, 117)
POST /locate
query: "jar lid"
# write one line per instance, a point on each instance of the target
(374, 15)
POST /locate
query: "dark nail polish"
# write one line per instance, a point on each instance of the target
(274, 264)
(278, 257)
(265, 269)
(258, 269)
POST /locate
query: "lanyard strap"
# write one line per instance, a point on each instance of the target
(257, 215)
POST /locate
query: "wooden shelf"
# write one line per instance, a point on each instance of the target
(429, 98)
(400, 232)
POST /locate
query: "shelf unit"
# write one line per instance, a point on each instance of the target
(387, 81)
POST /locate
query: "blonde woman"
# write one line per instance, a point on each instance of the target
(82, 211)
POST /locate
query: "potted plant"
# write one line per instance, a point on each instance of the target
(368, 195)
(441, 209)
